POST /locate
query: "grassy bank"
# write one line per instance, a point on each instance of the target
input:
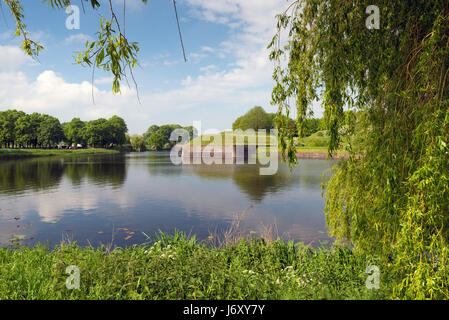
(175, 267)
(15, 153)
(231, 138)
(310, 152)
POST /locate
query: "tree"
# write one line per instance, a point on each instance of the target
(137, 143)
(6, 128)
(152, 129)
(160, 136)
(156, 141)
(35, 120)
(193, 133)
(24, 130)
(8, 120)
(392, 198)
(50, 131)
(18, 129)
(312, 125)
(117, 128)
(74, 131)
(256, 119)
(96, 133)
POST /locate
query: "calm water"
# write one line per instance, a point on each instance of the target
(94, 199)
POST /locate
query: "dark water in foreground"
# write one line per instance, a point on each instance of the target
(85, 198)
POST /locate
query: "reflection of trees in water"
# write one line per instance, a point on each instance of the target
(159, 164)
(44, 173)
(247, 178)
(104, 170)
(256, 186)
(35, 174)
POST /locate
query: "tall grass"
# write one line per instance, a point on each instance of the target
(180, 267)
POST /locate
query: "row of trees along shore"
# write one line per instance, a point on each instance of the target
(21, 130)
(158, 137)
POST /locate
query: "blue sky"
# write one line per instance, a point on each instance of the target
(227, 73)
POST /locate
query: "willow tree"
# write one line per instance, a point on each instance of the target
(391, 197)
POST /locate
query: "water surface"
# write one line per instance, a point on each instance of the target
(114, 198)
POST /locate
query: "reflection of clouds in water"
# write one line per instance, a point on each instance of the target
(51, 206)
(220, 199)
(148, 192)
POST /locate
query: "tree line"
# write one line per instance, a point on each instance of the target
(257, 118)
(158, 137)
(21, 130)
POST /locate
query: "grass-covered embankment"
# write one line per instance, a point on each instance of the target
(17, 153)
(181, 268)
(312, 147)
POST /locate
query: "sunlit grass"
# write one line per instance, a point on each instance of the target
(230, 138)
(51, 152)
(177, 267)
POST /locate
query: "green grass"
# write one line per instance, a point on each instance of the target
(312, 149)
(50, 152)
(220, 139)
(319, 139)
(298, 149)
(177, 267)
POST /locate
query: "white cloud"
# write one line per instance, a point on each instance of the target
(50, 93)
(187, 81)
(196, 57)
(78, 38)
(12, 57)
(208, 68)
(216, 96)
(251, 70)
(207, 49)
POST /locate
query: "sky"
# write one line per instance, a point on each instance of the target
(227, 73)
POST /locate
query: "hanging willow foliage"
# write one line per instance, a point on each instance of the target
(393, 199)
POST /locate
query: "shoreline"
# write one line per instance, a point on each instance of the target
(320, 155)
(7, 154)
(316, 153)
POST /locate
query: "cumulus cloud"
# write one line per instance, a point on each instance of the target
(208, 68)
(12, 57)
(78, 38)
(210, 94)
(50, 93)
(251, 68)
(207, 49)
(253, 24)
(217, 95)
